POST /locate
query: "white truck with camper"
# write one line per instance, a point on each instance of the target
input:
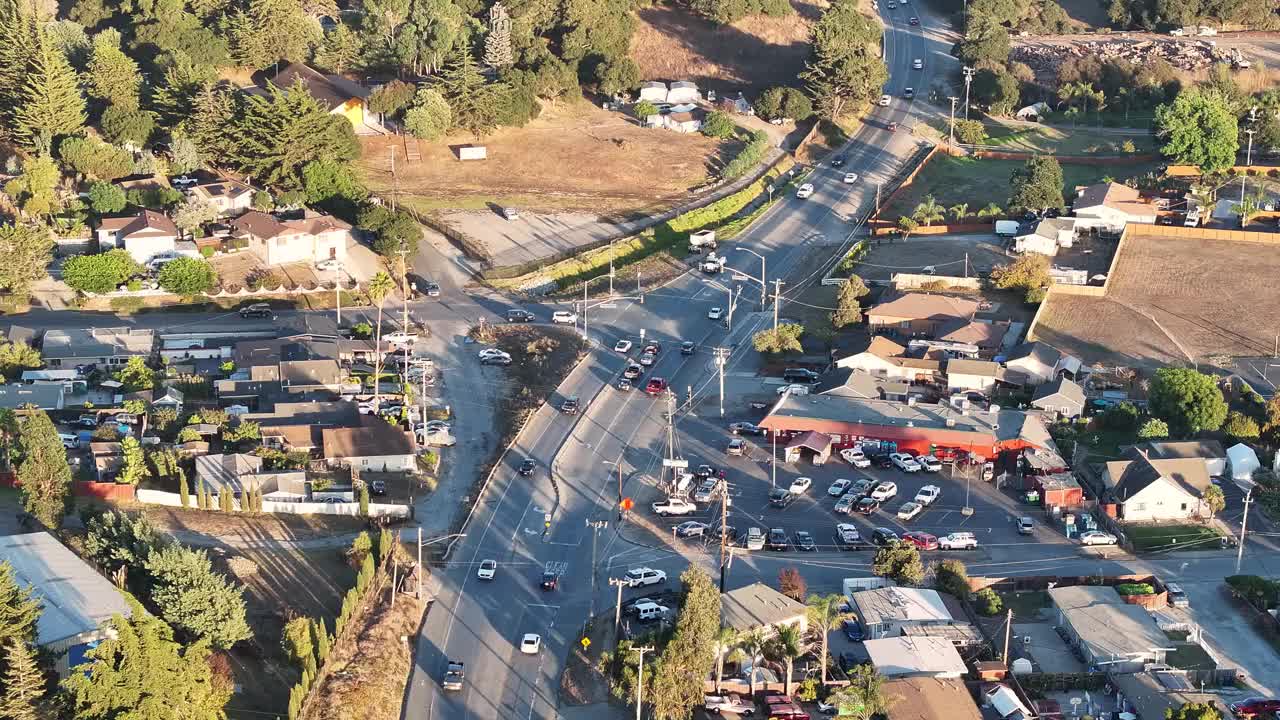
(1007, 228)
(702, 240)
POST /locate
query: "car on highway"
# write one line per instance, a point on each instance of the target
(737, 446)
(922, 540)
(850, 178)
(655, 386)
(891, 127)
(746, 428)
(530, 644)
(884, 491)
(839, 487)
(674, 506)
(904, 462)
(755, 539)
(487, 569)
(622, 346)
(648, 359)
(909, 510)
(804, 191)
(917, 64)
(909, 93)
(569, 406)
(258, 310)
(804, 541)
(1026, 526)
(852, 630)
(519, 316)
(693, 528)
(652, 348)
(929, 463)
(778, 540)
(913, 20)
(633, 371)
(550, 580)
(847, 534)
(958, 541)
(845, 504)
(837, 161)
(688, 347)
(715, 313)
(885, 99)
(1255, 707)
(867, 506)
(800, 485)
(454, 675)
(927, 495)
(707, 490)
(637, 577)
(781, 497)
(564, 317)
(1097, 537)
(526, 467)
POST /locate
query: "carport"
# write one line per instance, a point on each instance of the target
(818, 445)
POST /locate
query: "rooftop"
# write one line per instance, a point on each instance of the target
(1151, 693)
(367, 442)
(1060, 388)
(222, 188)
(919, 306)
(1105, 623)
(925, 698)
(1105, 193)
(908, 657)
(981, 368)
(77, 600)
(899, 604)
(1134, 476)
(756, 606)
(960, 634)
(46, 396)
(331, 90)
(97, 342)
(218, 471)
(1203, 449)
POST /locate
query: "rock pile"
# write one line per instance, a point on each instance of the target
(1045, 58)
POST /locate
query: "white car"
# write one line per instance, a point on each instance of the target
(839, 487)
(622, 346)
(884, 491)
(531, 644)
(183, 181)
(637, 577)
(491, 354)
(674, 506)
(800, 485)
(647, 359)
(928, 494)
(909, 510)
(804, 191)
(487, 569)
(715, 313)
(855, 457)
(958, 541)
(909, 93)
(848, 533)
(929, 463)
(329, 264)
(904, 462)
(794, 389)
(400, 337)
(850, 178)
(917, 64)
(564, 317)
(884, 99)
(1097, 537)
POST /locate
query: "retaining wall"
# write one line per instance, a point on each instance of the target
(912, 281)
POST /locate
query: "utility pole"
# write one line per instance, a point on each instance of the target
(724, 541)
(611, 268)
(1244, 524)
(878, 185)
(773, 481)
(394, 178)
(595, 533)
(1248, 160)
(640, 679)
(966, 265)
(584, 309)
(671, 431)
(777, 295)
(952, 142)
(721, 357)
(968, 78)
(404, 304)
(395, 579)
(1008, 628)
(638, 290)
(617, 609)
(420, 568)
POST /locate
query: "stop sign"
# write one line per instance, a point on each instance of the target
(627, 503)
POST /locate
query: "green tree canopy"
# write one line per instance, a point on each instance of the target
(188, 276)
(1198, 128)
(899, 562)
(718, 125)
(35, 190)
(19, 608)
(1240, 426)
(116, 541)
(43, 471)
(1029, 273)
(135, 466)
(1188, 400)
(473, 100)
(18, 356)
(50, 104)
(864, 696)
(276, 135)
(112, 75)
(99, 273)
(1194, 711)
(689, 656)
(391, 98)
(196, 600)
(95, 159)
(1153, 429)
(24, 683)
(848, 308)
(136, 375)
(27, 251)
(785, 339)
(127, 127)
(1037, 185)
(952, 577)
(106, 198)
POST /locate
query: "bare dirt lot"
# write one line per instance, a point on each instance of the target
(749, 55)
(574, 156)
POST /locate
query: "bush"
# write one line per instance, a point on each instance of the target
(207, 251)
(750, 156)
(1135, 589)
(1122, 417)
(718, 125)
(971, 132)
(989, 603)
(1263, 593)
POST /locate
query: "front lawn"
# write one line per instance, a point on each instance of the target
(1064, 140)
(1156, 538)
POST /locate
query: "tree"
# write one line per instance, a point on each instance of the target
(185, 95)
(643, 110)
(138, 671)
(1193, 711)
(364, 500)
(272, 30)
(184, 155)
(320, 634)
(1239, 426)
(970, 131)
(99, 273)
(1037, 185)
(718, 125)
(297, 639)
(35, 190)
(18, 356)
(1198, 128)
(194, 214)
(1189, 401)
(959, 211)
(928, 212)
(330, 183)
(727, 650)
(112, 76)
(786, 338)
(825, 615)
(899, 562)
(135, 375)
(990, 210)
(752, 645)
(848, 308)
(19, 609)
(617, 75)
(379, 287)
(24, 684)
(689, 656)
(340, 50)
(391, 98)
(118, 543)
(106, 198)
(276, 135)
(1029, 273)
(996, 89)
(844, 66)
(473, 101)
(95, 159)
(791, 583)
(1214, 499)
(497, 43)
(187, 276)
(27, 251)
(50, 103)
(906, 226)
(952, 577)
(131, 128)
(785, 646)
(863, 697)
(1153, 429)
(985, 40)
(194, 599)
(43, 470)
(135, 466)
(989, 603)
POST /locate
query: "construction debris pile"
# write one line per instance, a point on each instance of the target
(1044, 59)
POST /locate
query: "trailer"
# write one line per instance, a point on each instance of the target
(702, 240)
(1006, 228)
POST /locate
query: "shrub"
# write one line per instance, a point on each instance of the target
(1135, 589)
(207, 251)
(989, 602)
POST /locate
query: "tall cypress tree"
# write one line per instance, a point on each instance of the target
(474, 101)
(18, 31)
(112, 76)
(23, 682)
(43, 472)
(50, 103)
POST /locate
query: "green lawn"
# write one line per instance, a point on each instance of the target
(1172, 537)
(1026, 604)
(953, 180)
(1189, 656)
(1064, 141)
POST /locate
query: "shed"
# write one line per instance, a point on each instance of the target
(1243, 461)
(683, 91)
(654, 92)
(815, 442)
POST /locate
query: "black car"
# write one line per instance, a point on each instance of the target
(781, 497)
(867, 506)
(526, 467)
(258, 310)
(686, 347)
(570, 406)
(730, 533)
(881, 460)
(883, 536)
(550, 580)
(432, 289)
(837, 161)
(777, 539)
(378, 487)
(746, 428)
(804, 541)
(913, 20)
(519, 316)
(861, 488)
(704, 471)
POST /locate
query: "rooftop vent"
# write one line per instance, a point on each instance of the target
(951, 422)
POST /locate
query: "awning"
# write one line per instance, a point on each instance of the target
(812, 440)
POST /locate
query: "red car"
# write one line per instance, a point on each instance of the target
(922, 540)
(653, 348)
(1255, 708)
(656, 386)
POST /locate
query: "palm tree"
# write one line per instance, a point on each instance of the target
(907, 226)
(824, 616)
(927, 212)
(727, 650)
(959, 211)
(752, 646)
(991, 210)
(785, 646)
(380, 286)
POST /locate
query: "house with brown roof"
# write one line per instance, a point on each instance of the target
(1111, 206)
(313, 238)
(376, 448)
(231, 197)
(885, 358)
(980, 375)
(143, 236)
(336, 94)
(920, 314)
(1150, 490)
(929, 698)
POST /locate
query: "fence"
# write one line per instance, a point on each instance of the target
(921, 160)
(885, 227)
(840, 273)
(351, 509)
(103, 491)
(980, 152)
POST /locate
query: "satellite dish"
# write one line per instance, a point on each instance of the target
(1022, 666)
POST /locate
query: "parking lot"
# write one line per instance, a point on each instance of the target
(945, 253)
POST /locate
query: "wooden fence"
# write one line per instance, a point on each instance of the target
(103, 491)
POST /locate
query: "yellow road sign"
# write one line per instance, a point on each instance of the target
(586, 643)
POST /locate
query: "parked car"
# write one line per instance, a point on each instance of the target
(624, 384)
(569, 406)
(656, 386)
(564, 317)
(746, 428)
(693, 528)
(909, 511)
(1096, 537)
(755, 539)
(707, 490)
(852, 630)
(794, 389)
(777, 539)
(632, 372)
(732, 704)
(861, 488)
(1026, 525)
(927, 495)
(922, 540)
(519, 316)
(885, 491)
(885, 99)
(1255, 707)
(531, 644)
(804, 541)
(258, 310)
(839, 487)
(929, 463)
(637, 577)
(800, 485)
(867, 506)
(958, 541)
(494, 356)
(845, 504)
(674, 506)
(487, 569)
(781, 497)
(622, 346)
(883, 536)
(737, 446)
(848, 535)
(1177, 596)
(904, 462)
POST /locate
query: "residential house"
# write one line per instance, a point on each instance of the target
(683, 122)
(314, 238)
(230, 197)
(885, 358)
(169, 397)
(928, 698)
(275, 368)
(73, 381)
(378, 448)
(980, 375)
(1111, 206)
(848, 382)
(884, 612)
(45, 396)
(988, 337)
(1059, 398)
(758, 607)
(109, 347)
(1210, 451)
(219, 472)
(915, 657)
(298, 425)
(336, 94)
(287, 438)
(280, 486)
(108, 460)
(918, 314)
(1037, 363)
(1048, 235)
(1113, 635)
(144, 236)
(653, 91)
(77, 600)
(1146, 490)
(683, 91)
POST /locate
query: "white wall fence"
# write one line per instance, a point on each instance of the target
(159, 497)
(912, 281)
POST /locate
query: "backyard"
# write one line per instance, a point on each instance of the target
(1065, 140)
(1159, 538)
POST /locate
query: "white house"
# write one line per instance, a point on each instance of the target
(683, 91)
(314, 238)
(1152, 491)
(230, 197)
(683, 122)
(1037, 362)
(977, 375)
(654, 92)
(1048, 235)
(904, 657)
(372, 449)
(143, 236)
(883, 358)
(1110, 206)
(170, 397)
(885, 612)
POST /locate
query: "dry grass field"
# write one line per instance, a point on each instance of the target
(749, 55)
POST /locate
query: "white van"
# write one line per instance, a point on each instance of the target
(647, 611)
(682, 484)
(69, 441)
(755, 539)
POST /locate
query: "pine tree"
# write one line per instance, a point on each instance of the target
(271, 30)
(473, 100)
(24, 684)
(18, 32)
(202, 496)
(340, 50)
(50, 103)
(174, 97)
(274, 136)
(43, 472)
(19, 610)
(184, 494)
(112, 76)
(497, 44)
(27, 251)
(321, 641)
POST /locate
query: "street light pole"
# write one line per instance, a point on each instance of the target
(952, 141)
(1244, 524)
(424, 544)
(764, 288)
(1248, 161)
(968, 78)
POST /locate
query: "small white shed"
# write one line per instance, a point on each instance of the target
(683, 91)
(654, 92)
(1243, 461)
